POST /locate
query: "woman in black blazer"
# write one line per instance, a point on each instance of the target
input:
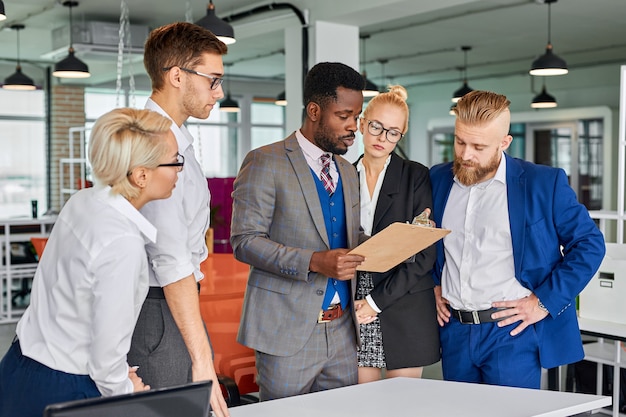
(396, 309)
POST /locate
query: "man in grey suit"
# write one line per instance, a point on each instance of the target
(295, 211)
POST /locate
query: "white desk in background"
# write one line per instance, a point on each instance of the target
(12, 230)
(399, 397)
(605, 353)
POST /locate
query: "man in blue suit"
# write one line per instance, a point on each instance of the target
(521, 249)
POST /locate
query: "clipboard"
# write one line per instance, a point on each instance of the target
(394, 244)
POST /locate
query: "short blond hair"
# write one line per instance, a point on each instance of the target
(395, 96)
(124, 139)
(479, 107)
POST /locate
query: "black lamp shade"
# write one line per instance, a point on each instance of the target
(229, 105)
(219, 27)
(548, 64)
(543, 100)
(370, 89)
(3, 15)
(461, 92)
(281, 99)
(71, 67)
(18, 81)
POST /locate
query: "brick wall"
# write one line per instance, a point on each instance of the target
(68, 110)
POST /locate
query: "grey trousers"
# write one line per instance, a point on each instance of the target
(158, 348)
(327, 361)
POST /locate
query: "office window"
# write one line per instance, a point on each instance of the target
(267, 123)
(265, 135)
(23, 157)
(517, 149)
(220, 140)
(590, 151)
(216, 142)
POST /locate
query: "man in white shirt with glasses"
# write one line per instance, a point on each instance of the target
(170, 344)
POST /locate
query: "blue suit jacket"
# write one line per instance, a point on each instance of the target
(557, 248)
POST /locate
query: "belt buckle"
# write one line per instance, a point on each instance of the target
(459, 315)
(320, 317)
(475, 317)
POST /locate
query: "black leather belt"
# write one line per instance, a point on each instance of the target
(476, 317)
(156, 292)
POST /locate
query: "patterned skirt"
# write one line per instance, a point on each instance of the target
(371, 353)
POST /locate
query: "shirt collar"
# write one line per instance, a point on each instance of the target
(309, 148)
(360, 168)
(183, 137)
(122, 205)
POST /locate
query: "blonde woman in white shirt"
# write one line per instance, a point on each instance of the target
(93, 277)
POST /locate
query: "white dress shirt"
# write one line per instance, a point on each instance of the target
(312, 155)
(479, 267)
(182, 220)
(368, 207)
(88, 290)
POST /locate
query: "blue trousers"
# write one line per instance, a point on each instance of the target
(486, 353)
(27, 386)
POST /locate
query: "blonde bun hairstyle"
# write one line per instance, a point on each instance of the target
(395, 96)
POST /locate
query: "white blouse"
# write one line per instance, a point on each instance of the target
(88, 290)
(368, 205)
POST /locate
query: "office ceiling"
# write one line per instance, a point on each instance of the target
(412, 42)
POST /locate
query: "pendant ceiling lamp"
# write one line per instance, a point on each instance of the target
(464, 88)
(3, 15)
(543, 100)
(70, 66)
(18, 80)
(229, 105)
(220, 28)
(281, 99)
(548, 63)
(370, 89)
(452, 107)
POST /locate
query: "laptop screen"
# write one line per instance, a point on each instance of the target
(191, 400)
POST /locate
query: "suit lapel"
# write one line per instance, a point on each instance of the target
(389, 188)
(516, 198)
(441, 192)
(343, 166)
(307, 185)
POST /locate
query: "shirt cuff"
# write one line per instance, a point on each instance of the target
(372, 304)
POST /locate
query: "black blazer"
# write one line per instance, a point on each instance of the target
(405, 193)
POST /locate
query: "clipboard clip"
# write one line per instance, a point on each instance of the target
(422, 219)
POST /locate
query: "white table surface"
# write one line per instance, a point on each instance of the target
(605, 328)
(399, 397)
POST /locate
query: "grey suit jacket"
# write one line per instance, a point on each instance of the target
(277, 224)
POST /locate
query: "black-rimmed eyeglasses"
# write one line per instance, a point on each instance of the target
(376, 129)
(179, 164)
(215, 81)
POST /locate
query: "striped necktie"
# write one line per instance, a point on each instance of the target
(327, 180)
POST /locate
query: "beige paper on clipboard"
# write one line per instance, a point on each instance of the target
(394, 244)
